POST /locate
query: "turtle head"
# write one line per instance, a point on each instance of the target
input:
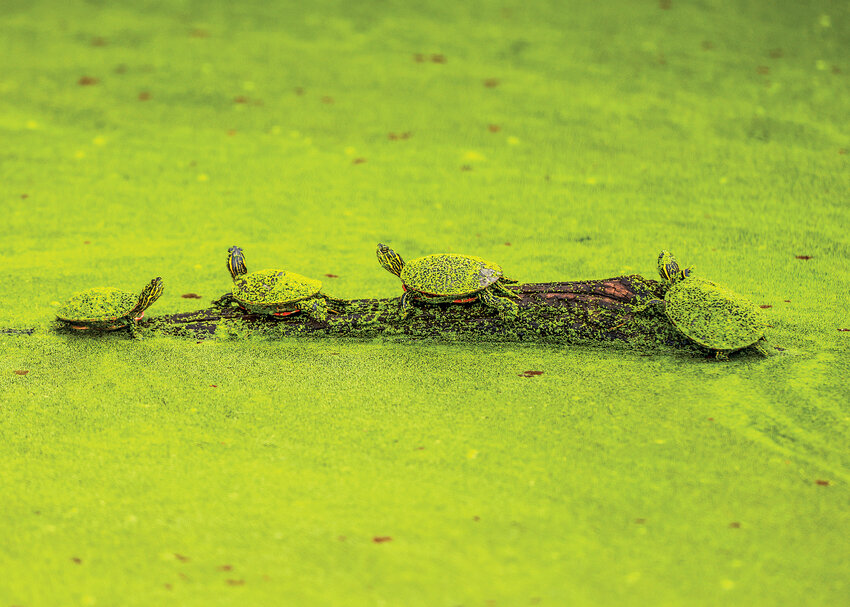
(391, 260)
(149, 295)
(669, 270)
(236, 262)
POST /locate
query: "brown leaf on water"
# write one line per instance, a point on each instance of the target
(21, 371)
(380, 539)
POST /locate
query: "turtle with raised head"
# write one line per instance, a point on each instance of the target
(450, 278)
(709, 314)
(108, 309)
(274, 292)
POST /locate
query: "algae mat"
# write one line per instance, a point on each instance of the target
(562, 140)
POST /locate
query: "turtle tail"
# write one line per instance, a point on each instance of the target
(391, 260)
(149, 295)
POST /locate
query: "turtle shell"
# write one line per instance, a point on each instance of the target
(713, 316)
(98, 305)
(274, 287)
(449, 274)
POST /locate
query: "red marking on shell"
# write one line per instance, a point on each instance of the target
(287, 313)
(467, 300)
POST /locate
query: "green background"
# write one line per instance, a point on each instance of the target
(563, 140)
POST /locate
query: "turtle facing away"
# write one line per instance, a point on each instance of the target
(709, 314)
(107, 309)
(274, 292)
(449, 278)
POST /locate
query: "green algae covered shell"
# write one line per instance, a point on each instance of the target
(449, 274)
(274, 287)
(713, 316)
(98, 305)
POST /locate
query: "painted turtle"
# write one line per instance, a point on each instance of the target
(709, 314)
(274, 292)
(107, 309)
(449, 278)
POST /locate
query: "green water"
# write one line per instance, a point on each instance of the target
(562, 140)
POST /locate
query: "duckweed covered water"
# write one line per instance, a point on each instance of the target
(563, 141)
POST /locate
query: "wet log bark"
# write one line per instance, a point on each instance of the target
(563, 312)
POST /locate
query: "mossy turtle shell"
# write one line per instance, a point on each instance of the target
(273, 287)
(712, 315)
(449, 274)
(98, 305)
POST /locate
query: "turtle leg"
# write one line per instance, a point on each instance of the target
(498, 286)
(134, 328)
(315, 307)
(224, 301)
(405, 305)
(507, 308)
(764, 347)
(721, 355)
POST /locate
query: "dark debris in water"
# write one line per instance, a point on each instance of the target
(380, 539)
(190, 296)
(822, 482)
(530, 373)
(21, 371)
(804, 257)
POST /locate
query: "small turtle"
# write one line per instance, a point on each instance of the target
(449, 278)
(709, 314)
(274, 292)
(108, 309)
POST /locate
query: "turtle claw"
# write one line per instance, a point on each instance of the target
(508, 310)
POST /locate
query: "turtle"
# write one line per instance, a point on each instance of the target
(107, 308)
(707, 313)
(274, 292)
(450, 278)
